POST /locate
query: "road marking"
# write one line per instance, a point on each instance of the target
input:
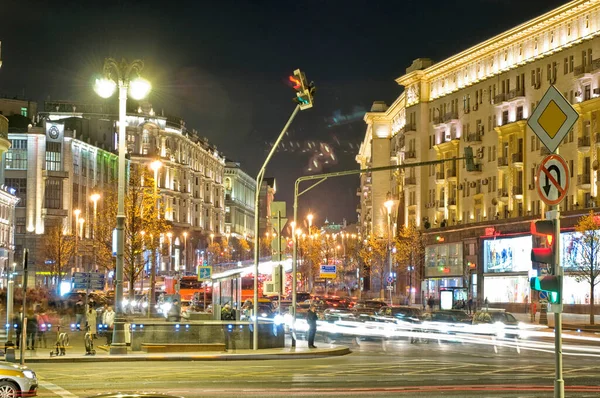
(61, 392)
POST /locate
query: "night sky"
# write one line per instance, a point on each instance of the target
(223, 66)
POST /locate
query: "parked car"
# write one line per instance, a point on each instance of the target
(503, 323)
(399, 314)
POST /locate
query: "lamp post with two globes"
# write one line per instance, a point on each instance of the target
(119, 74)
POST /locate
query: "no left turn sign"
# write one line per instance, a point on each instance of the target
(553, 180)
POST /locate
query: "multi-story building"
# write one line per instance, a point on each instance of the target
(7, 209)
(240, 192)
(18, 106)
(476, 224)
(56, 166)
(266, 196)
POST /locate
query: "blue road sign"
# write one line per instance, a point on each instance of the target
(204, 273)
(543, 295)
(390, 279)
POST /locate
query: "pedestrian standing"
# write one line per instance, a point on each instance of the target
(533, 310)
(90, 319)
(228, 314)
(470, 305)
(79, 312)
(174, 314)
(32, 327)
(17, 324)
(108, 319)
(43, 324)
(311, 319)
(430, 303)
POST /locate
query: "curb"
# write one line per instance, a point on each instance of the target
(338, 351)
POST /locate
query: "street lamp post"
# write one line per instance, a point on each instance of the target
(77, 212)
(388, 205)
(155, 166)
(139, 88)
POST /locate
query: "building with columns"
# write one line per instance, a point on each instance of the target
(476, 224)
(55, 167)
(240, 192)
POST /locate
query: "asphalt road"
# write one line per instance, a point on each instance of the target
(375, 368)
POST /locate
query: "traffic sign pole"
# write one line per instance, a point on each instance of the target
(559, 383)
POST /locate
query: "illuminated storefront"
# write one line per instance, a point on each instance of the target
(508, 267)
(443, 267)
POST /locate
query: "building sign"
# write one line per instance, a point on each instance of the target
(507, 254)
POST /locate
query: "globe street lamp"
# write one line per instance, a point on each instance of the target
(119, 74)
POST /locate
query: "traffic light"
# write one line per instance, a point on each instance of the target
(547, 253)
(550, 284)
(304, 90)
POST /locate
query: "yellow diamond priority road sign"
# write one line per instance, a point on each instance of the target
(552, 119)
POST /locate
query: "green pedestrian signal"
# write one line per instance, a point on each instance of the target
(551, 284)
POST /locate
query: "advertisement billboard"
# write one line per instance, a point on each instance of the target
(507, 254)
(571, 248)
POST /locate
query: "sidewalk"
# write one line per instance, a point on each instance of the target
(76, 353)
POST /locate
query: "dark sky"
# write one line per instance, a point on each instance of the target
(223, 65)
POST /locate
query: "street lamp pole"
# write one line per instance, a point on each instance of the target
(388, 205)
(122, 72)
(155, 166)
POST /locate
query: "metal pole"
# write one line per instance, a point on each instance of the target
(118, 346)
(391, 285)
(23, 317)
(259, 179)
(154, 248)
(279, 258)
(559, 383)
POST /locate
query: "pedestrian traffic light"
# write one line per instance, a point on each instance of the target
(551, 284)
(304, 90)
(546, 253)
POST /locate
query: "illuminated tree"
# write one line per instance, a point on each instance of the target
(60, 249)
(142, 219)
(374, 255)
(410, 250)
(586, 265)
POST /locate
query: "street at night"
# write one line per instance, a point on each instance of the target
(401, 369)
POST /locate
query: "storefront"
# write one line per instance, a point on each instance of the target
(443, 268)
(507, 267)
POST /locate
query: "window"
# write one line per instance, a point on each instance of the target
(24, 112)
(571, 63)
(20, 186)
(566, 68)
(519, 112)
(53, 156)
(53, 194)
(16, 157)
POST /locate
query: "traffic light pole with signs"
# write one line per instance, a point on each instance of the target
(551, 121)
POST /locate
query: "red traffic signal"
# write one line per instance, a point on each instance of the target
(297, 82)
(546, 253)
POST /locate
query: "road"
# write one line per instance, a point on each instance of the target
(387, 369)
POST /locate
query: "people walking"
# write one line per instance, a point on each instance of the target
(430, 303)
(470, 305)
(533, 310)
(311, 319)
(79, 312)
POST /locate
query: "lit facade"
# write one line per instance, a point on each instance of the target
(482, 98)
(240, 192)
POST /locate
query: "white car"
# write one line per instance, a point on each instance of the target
(17, 381)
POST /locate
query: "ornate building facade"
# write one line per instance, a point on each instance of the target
(240, 192)
(482, 98)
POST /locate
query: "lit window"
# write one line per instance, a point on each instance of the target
(24, 112)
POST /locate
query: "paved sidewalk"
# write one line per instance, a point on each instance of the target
(75, 352)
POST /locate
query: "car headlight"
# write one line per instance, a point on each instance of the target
(29, 374)
(145, 304)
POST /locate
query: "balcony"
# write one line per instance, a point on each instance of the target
(410, 181)
(500, 98)
(503, 162)
(515, 94)
(517, 159)
(441, 205)
(410, 128)
(474, 138)
(410, 156)
(518, 192)
(583, 144)
(439, 177)
(584, 181)
(451, 175)
(452, 203)
(503, 194)
(582, 70)
(451, 117)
